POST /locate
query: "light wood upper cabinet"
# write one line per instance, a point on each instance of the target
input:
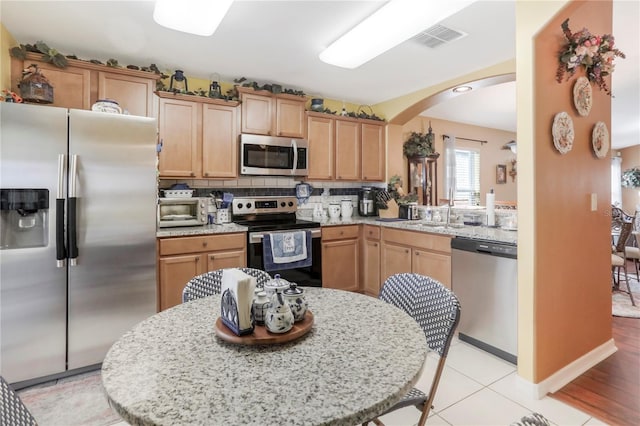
(257, 113)
(133, 94)
(219, 136)
(373, 152)
(179, 122)
(199, 137)
(320, 135)
(264, 113)
(82, 83)
(347, 150)
(71, 85)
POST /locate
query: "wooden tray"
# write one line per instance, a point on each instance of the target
(261, 336)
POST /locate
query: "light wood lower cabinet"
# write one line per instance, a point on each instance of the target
(417, 252)
(340, 257)
(182, 258)
(371, 260)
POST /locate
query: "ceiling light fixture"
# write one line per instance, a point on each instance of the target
(462, 89)
(393, 23)
(199, 17)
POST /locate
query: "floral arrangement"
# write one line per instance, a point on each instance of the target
(595, 53)
(631, 178)
(419, 144)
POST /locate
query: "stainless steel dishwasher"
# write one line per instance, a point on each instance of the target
(484, 277)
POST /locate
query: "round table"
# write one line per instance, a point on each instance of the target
(360, 357)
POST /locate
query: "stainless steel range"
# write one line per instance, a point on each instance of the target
(267, 215)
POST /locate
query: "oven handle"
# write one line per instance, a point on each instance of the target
(256, 237)
(295, 156)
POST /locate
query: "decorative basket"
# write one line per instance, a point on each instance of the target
(34, 87)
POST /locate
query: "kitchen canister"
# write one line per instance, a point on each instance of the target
(260, 305)
(346, 209)
(334, 210)
(294, 296)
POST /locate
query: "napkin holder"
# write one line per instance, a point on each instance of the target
(391, 211)
(237, 301)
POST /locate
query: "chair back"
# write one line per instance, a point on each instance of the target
(431, 304)
(623, 223)
(12, 409)
(210, 283)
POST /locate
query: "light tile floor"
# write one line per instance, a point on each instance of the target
(478, 388)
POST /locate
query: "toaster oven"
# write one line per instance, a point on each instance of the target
(182, 212)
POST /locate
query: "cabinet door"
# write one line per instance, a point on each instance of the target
(71, 85)
(257, 114)
(320, 131)
(347, 150)
(340, 264)
(133, 94)
(227, 259)
(371, 267)
(290, 117)
(219, 141)
(179, 123)
(175, 272)
(395, 259)
(373, 152)
(434, 265)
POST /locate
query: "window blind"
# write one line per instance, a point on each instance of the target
(468, 175)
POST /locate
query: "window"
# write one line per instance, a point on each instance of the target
(468, 175)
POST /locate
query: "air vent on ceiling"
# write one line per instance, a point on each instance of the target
(438, 35)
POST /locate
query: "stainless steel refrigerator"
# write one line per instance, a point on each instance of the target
(77, 236)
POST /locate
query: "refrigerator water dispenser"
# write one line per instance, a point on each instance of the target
(24, 218)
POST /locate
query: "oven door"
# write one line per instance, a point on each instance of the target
(310, 276)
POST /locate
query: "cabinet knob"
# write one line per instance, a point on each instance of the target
(204, 244)
(406, 251)
(206, 174)
(417, 254)
(197, 259)
(375, 244)
(192, 174)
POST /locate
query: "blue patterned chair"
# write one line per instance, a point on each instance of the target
(210, 283)
(437, 310)
(12, 411)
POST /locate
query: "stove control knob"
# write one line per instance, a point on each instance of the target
(290, 203)
(248, 205)
(282, 204)
(239, 206)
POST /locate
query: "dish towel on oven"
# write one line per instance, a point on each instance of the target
(286, 250)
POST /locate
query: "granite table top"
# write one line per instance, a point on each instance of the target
(359, 358)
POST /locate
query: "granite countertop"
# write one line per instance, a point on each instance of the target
(359, 358)
(456, 230)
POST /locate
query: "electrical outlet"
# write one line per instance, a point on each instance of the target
(594, 202)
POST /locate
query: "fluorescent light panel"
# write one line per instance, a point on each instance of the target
(199, 17)
(393, 23)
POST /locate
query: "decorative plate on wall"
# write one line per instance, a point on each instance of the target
(600, 139)
(582, 96)
(562, 131)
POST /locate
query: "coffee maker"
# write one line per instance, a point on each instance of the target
(367, 201)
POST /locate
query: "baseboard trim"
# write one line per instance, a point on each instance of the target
(567, 373)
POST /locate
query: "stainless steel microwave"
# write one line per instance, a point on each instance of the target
(273, 156)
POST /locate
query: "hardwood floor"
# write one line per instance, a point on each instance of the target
(610, 391)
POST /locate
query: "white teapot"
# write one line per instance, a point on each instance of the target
(279, 318)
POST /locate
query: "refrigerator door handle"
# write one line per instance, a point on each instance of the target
(72, 228)
(61, 251)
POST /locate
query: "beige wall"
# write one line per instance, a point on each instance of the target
(630, 196)
(491, 153)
